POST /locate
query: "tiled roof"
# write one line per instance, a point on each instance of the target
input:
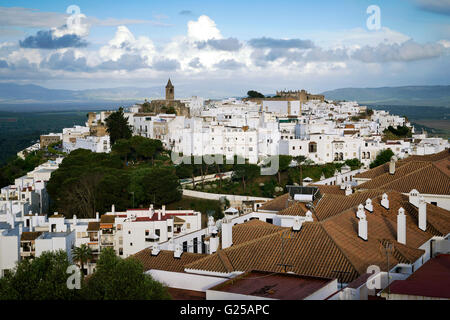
(329, 189)
(252, 230)
(297, 209)
(331, 247)
(29, 236)
(165, 260)
(422, 176)
(277, 204)
(93, 226)
(107, 218)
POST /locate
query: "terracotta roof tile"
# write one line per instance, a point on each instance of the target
(165, 260)
(277, 204)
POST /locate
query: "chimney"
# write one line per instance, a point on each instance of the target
(392, 165)
(159, 214)
(113, 209)
(422, 214)
(401, 226)
(308, 216)
(74, 220)
(348, 190)
(342, 186)
(20, 230)
(297, 224)
(155, 249)
(164, 210)
(227, 234)
(178, 252)
(96, 216)
(362, 227)
(369, 206)
(385, 201)
(414, 197)
(211, 224)
(213, 241)
(360, 213)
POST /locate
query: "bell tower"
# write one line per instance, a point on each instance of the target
(170, 91)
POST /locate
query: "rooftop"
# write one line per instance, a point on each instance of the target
(282, 286)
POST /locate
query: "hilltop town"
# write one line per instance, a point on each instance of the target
(320, 234)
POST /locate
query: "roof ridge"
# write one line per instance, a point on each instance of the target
(428, 163)
(225, 261)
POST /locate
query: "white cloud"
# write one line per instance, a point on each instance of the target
(203, 29)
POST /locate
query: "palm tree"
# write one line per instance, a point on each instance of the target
(82, 255)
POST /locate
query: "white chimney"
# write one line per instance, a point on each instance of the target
(164, 210)
(385, 201)
(211, 224)
(342, 186)
(360, 212)
(362, 227)
(178, 252)
(392, 165)
(309, 216)
(155, 249)
(74, 220)
(213, 244)
(113, 209)
(297, 224)
(227, 234)
(401, 226)
(171, 246)
(348, 190)
(369, 206)
(414, 197)
(20, 229)
(422, 214)
(159, 214)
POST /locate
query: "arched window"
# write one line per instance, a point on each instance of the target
(312, 147)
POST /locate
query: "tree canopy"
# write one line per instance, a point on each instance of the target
(255, 94)
(382, 157)
(117, 126)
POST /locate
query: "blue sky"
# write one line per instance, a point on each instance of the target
(208, 47)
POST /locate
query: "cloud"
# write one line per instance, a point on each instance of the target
(229, 64)
(280, 43)
(203, 29)
(48, 39)
(65, 61)
(229, 44)
(163, 64)
(407, 51)
(33, 18)
(436, 6)
(186, 13)
(125, 62)
(3, 64)
(195, 63)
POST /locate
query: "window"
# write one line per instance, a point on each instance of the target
(169, 228)
(131, 244)
(157, 232)
(312, 147)
(434, 203)
(129, 231)
(269, 221)
(188, 225)
(185, 246)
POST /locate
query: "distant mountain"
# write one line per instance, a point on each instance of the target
(408, 95)
(11, 93)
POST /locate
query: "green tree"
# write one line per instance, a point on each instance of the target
(284, 162)
(117, 126)
(255, 94)
(383, 157)
(82, 254)
(246, 173)
(43, 278)
(122, 279)
(161, 186)
(122, 148)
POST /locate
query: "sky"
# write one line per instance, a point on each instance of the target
(225, 48)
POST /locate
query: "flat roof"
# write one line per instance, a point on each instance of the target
(283, 286)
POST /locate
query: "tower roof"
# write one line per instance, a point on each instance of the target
(169, 84)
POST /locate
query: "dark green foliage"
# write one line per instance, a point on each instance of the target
(160, 186)
(400, 131)
(18, 167)
(137, 148)
(121, 279)
(245, 173)
(43, 278)
(254, 94)
(383, 157)
(118, 127)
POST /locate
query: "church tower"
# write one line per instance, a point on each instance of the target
(170, 91)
